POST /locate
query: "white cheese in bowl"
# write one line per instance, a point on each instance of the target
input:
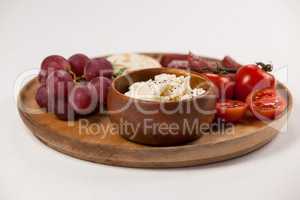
(164, 87)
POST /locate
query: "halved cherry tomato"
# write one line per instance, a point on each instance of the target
(266, 104)
(224, 85)
(231, 110)
(250, 78)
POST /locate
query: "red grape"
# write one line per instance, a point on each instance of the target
(64, 111)
(52, 101)
(44, 100)
(41, 96)
(59, 83)
(58, 92)
(98, 67)
(55, 62)
(100, 85)
(78, 63)
(42, 77)
(50, 64)
(82, 100)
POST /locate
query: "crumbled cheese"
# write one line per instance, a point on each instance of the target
(164, 87)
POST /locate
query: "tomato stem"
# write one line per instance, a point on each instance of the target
(265, 67)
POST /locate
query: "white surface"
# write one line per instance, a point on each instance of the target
(249, 30)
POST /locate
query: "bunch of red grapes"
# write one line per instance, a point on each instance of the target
(74, 87)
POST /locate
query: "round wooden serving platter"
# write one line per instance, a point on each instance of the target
(94, 139)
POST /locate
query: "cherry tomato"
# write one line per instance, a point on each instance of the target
(230, 63)
(266, 104)
(251, 77)
(231, 76)
(224, 85)
(168, 58)
(231, 110)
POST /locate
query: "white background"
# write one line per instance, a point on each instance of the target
(249, 30)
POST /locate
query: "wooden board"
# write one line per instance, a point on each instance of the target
(105, 146)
